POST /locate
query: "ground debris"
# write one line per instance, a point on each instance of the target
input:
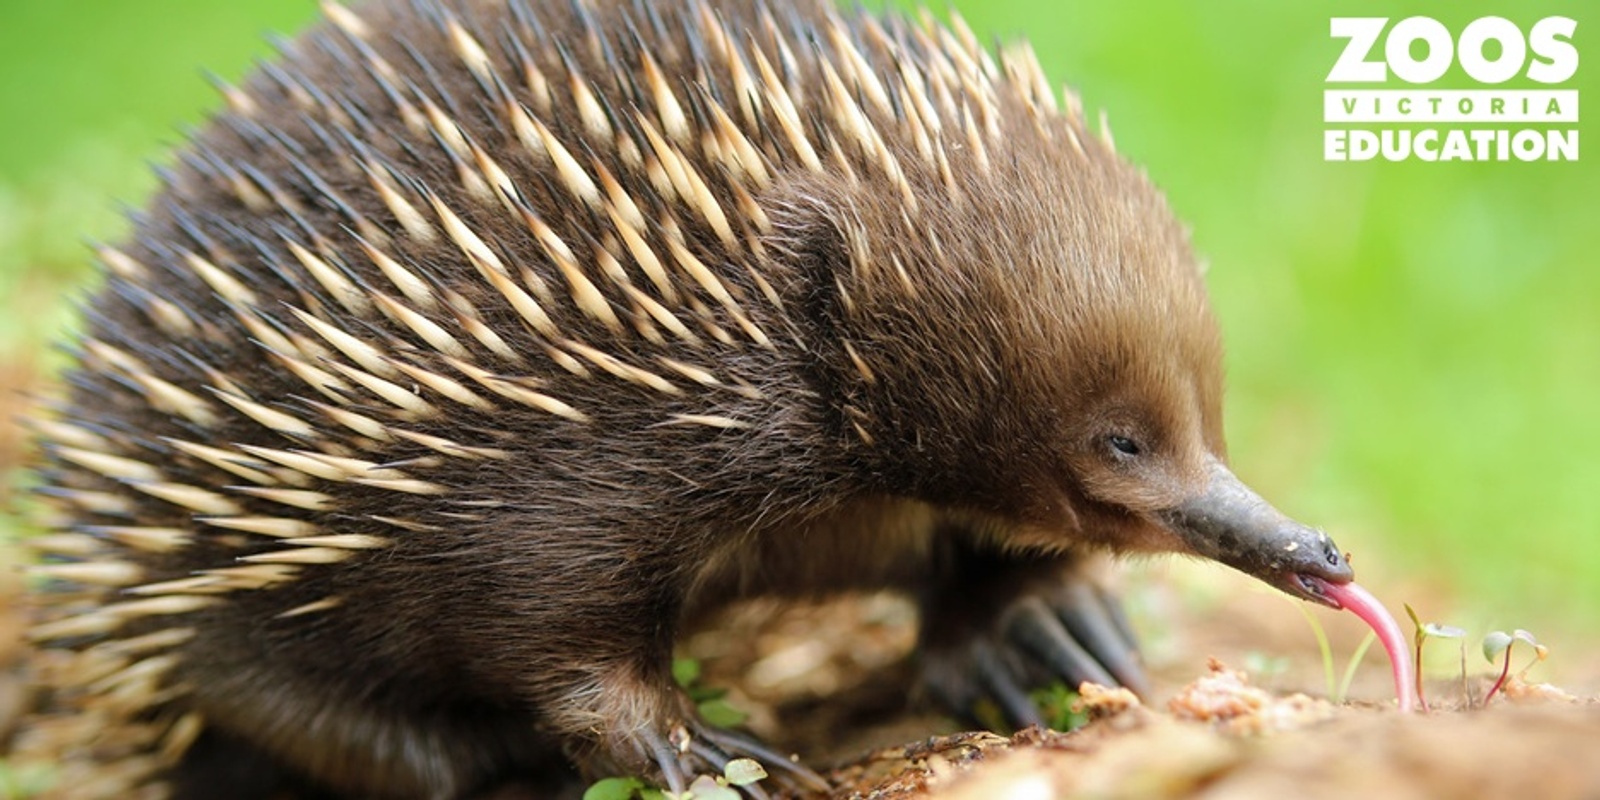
(1103, 702)
(1224, 697)
(1521, 692)
(1142, 754)
(912, 770)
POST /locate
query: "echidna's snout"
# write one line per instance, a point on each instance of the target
(1228, 522)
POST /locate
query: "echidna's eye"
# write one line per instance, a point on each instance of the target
(1124, 445)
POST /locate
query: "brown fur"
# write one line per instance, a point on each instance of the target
(941, 378)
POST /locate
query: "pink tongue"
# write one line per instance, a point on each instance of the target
(1367, 607)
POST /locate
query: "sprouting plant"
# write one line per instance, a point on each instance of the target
(1322, 645)
(1336, 687)
(710, 701)
(744, 771)
(622, 789)
(1499, 642)
(715, 710)
(1430, 630)
(1497, 646)
(1060, 707)
(1350, 666)
(738, 772)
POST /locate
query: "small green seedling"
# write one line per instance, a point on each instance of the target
(1322, 646)
(744, 771)
(710, 701)
(622, 789)
(1430, 630)
(1500, 642)
(685, 671)
(738, 772)
(1350, 666)
(1059, 706)
(706, 787)
(1337, 688)
(714, 710)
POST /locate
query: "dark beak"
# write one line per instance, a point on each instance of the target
(1227, 522)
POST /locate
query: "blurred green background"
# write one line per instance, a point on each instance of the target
(1414, 349)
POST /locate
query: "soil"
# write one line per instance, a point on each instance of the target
(829, 682)
(1206, 732)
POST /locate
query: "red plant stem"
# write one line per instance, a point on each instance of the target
(1505, 672)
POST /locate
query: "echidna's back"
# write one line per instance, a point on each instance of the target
(437, 253)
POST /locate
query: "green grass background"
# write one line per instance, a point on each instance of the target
(1414, 349)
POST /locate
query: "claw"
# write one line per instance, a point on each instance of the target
(666, 757)
(710, 753)
(782, 766)
(956, 695)
(999, 626)
(1119, 617)
(1013, 699)
(1038, 630)
(1094, 623)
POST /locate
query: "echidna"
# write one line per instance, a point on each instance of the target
(479, 344)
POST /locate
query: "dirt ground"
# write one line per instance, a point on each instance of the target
(1202, 734)
(830, 683)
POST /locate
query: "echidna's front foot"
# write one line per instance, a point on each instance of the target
(681, 748)
(700, 749)
(1005, 631)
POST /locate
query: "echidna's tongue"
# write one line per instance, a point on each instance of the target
(1367, 607)
(1228, 523)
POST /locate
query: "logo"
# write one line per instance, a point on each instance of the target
(1470, 118)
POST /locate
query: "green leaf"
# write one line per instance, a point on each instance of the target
(1412, 613)
(701, 694)
(1540, 652)
(720, 713)
(613, 789)
(1438, 631)
(685, 671)
(1494, 644)
(744, 771)
(706, 787)
(1059, 707)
